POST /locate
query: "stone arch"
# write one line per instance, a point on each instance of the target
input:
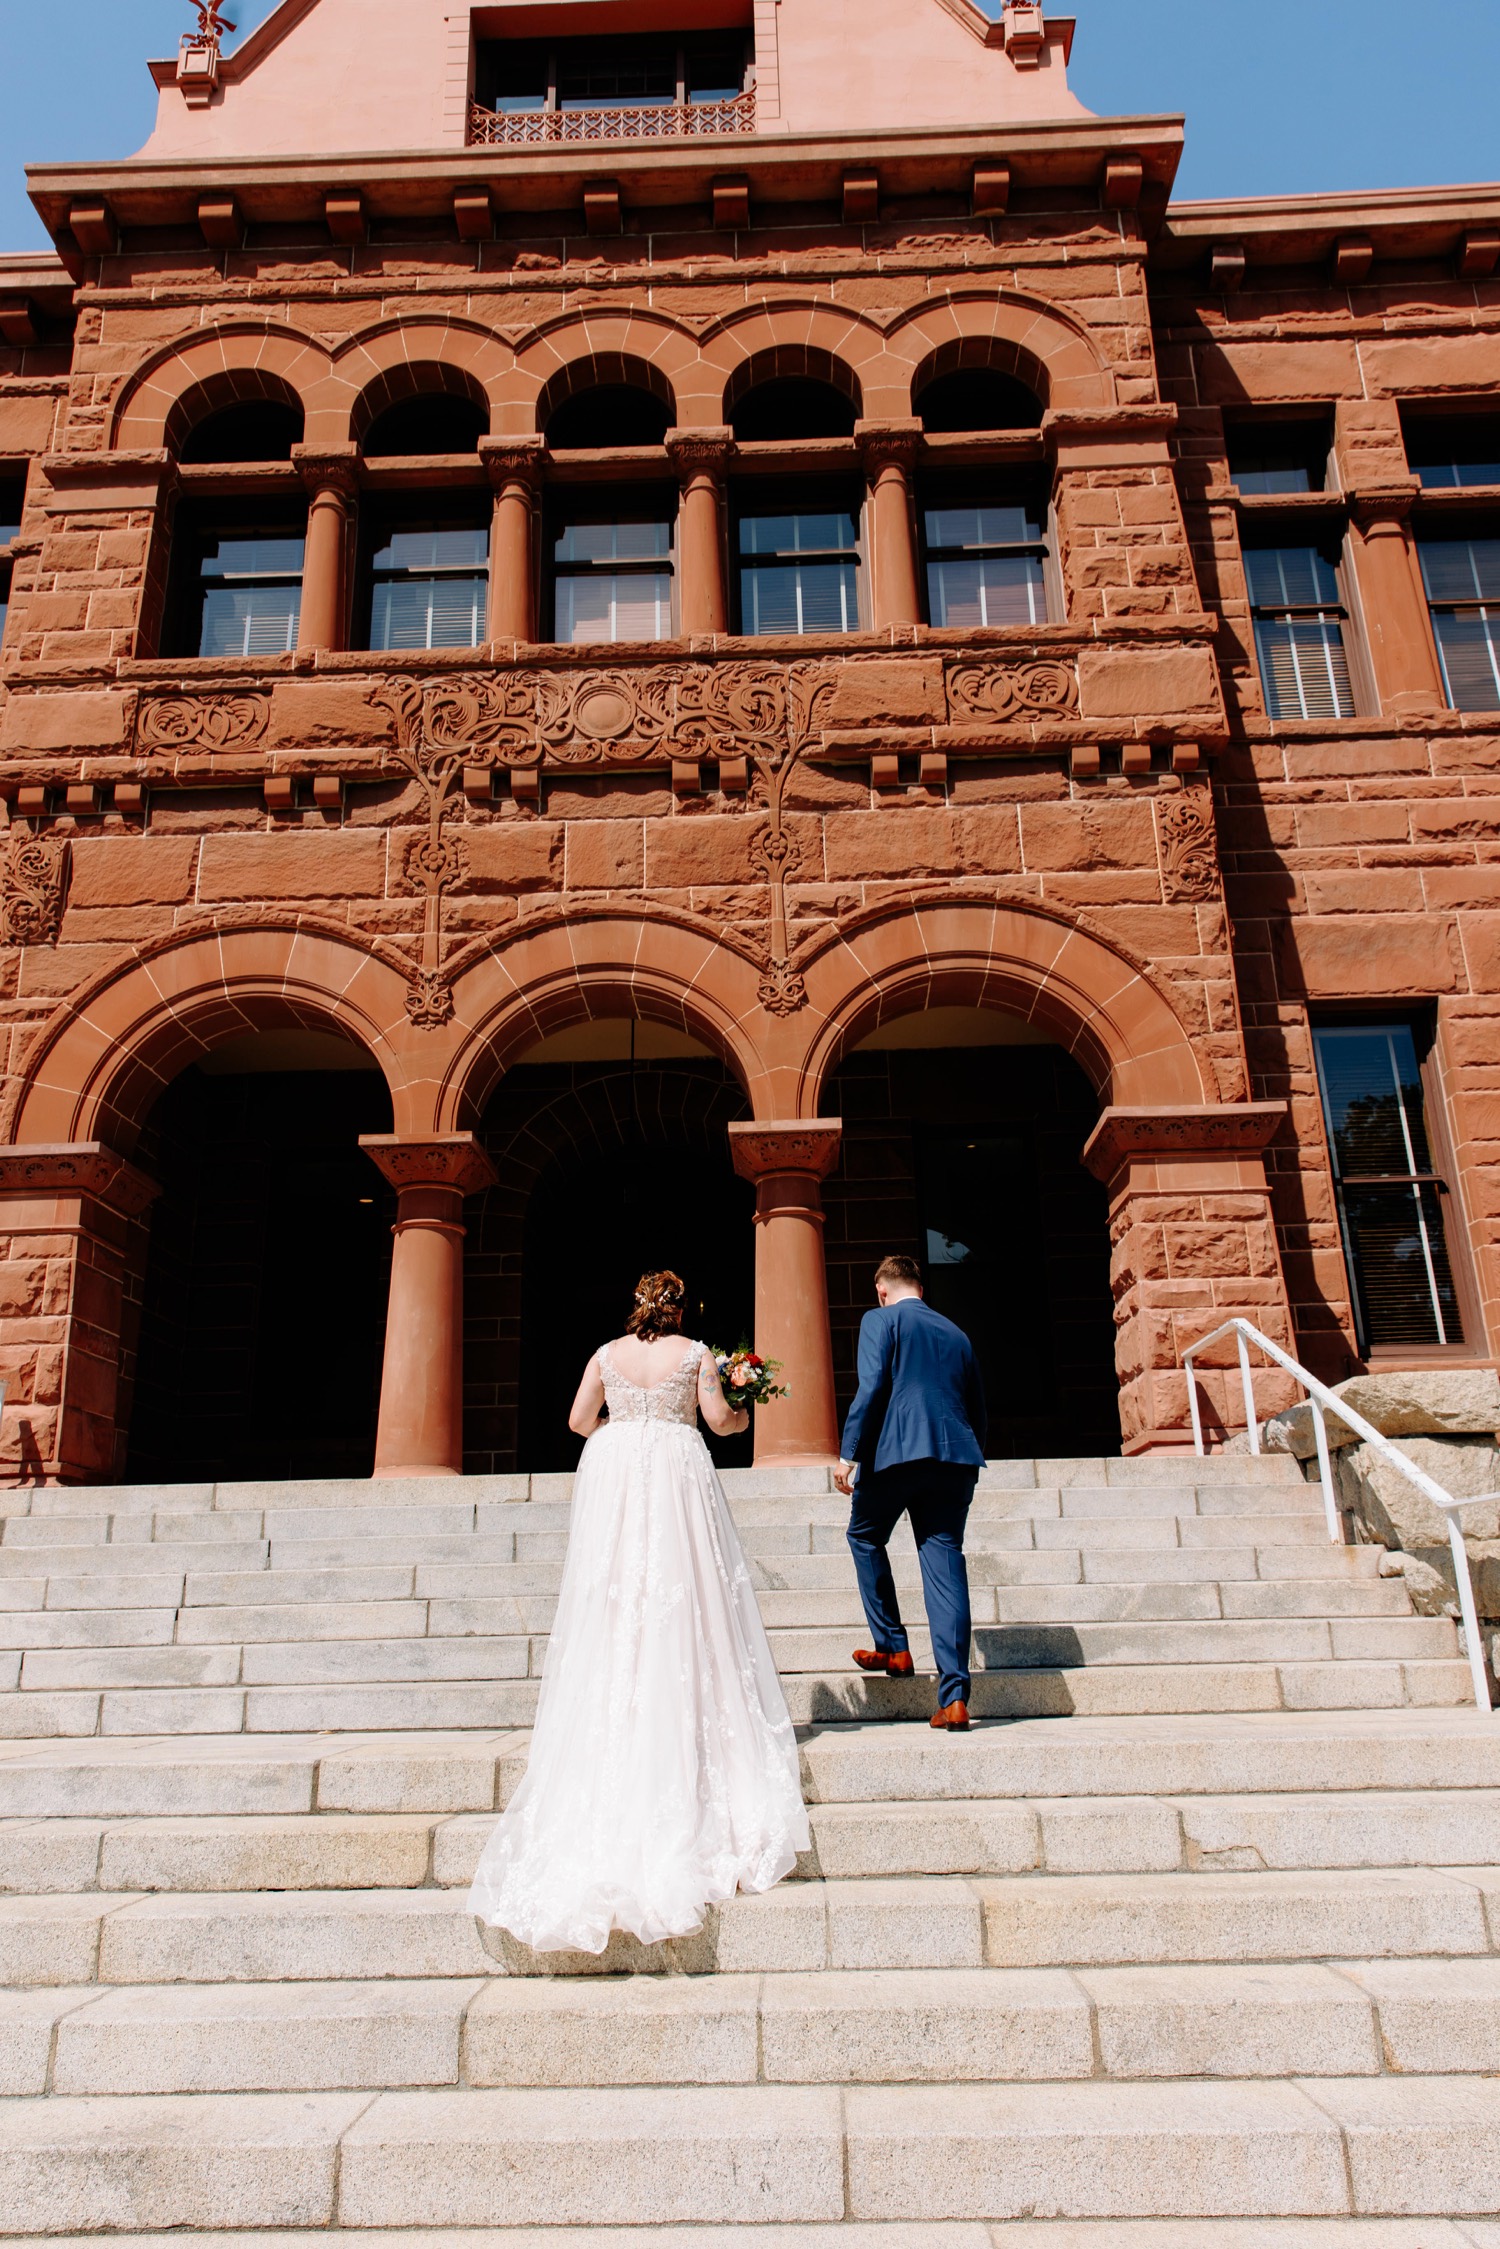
(1100, 1005)
(96, 1069)
(775, 361)
(188, 379)
(578, 351)
(599, 370)
(400, 360)
(567, 969)
(1013, 335)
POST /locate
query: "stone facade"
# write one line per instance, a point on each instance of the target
(769, 845)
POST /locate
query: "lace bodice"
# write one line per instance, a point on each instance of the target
(675, 1398)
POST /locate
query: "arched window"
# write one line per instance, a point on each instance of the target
(788, 407)
(971, 399)
(434, 423)
(608, 414)
(256, 429)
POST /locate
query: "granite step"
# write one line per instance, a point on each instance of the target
(899, 2026)
(760, 2154)
(1023, 2233)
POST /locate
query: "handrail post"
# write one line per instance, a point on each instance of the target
(1248, 1386)
(1325, 1475)
(1192, 1383)
(1470, 1613)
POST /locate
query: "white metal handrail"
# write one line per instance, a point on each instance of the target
(1324, 1401)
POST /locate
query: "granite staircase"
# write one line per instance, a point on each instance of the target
(1193, 1943)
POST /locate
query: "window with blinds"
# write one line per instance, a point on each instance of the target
(1391, 1201)
(612, 575)
(430, 587)
(1462, 577)
(1299, 632)
(250, 593)
(985, 564)
(798, 569)
(1460, 451)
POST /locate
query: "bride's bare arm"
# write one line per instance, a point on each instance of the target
(589, 1403)
(723, 1419)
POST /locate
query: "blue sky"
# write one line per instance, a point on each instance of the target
(1281, 96)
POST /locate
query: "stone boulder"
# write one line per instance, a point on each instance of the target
(1419, 1402)
(1429, 1586)
(1394, 1513)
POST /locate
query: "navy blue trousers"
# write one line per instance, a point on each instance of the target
(937, 1495)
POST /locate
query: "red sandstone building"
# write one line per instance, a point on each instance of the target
(712, 633)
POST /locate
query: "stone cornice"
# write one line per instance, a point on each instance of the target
(77, 1167)
(1195, 1129)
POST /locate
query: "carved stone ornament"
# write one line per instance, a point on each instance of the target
(1189, 848)
(1002, 694)
(438, 862)
(429, 1000)
(781, 990)
(1196, 1129)
(450, 1159)
(201, 722)
(34, 873)
(75, 1167)
(809, 1145)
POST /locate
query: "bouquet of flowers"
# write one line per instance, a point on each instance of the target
(747, 1378)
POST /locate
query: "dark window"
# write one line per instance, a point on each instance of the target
(261, 429)
(1279, 457)
(611, 569)
(437, 423)
(1462, 577)
(1391, 1202)
(12, 503)
(1465, 450)
(1299, 632)
(793, 406)
(798, 564)
(608, 414)
(641, 70)
(985, 561)
(977, 398)
(429, 585)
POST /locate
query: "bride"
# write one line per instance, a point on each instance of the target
(663, 1773)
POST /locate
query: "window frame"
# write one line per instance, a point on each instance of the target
(935, 492)
(13, 473)
(684, 45)
(1442, 527)
(1277, 529)
(196, 523)
(652, 501)
(829, 493)
(381, 519)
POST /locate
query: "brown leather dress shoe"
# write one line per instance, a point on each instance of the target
(953, 1720)
(897, 1666)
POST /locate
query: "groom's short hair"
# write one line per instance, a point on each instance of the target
(905, 1270)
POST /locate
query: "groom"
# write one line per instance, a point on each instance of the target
(915, 1440)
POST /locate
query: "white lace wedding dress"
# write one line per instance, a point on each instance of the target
(663, 1773)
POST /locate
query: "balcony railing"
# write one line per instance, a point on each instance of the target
(647, 121)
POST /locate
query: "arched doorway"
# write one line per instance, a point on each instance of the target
(611, 1146)
(262, 1302)
(962, 1132)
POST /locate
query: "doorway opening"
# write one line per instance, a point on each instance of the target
(613, 1154)
(963, 1129)
(263, 1298)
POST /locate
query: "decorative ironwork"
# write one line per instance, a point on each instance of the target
(33, 886)
(646, 121)
(1189, 847)
(1000, 694)
(201, 722)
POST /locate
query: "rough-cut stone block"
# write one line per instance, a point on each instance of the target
(78, 721)
(124, 871)
(315, 864)
(326, 714)
(1119, 683)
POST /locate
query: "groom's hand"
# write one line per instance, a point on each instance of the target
(843, 1478)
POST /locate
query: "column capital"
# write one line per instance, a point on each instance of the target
(700, 452)
(76, 1167)
(328, 468)
(1372, 505)
(884, 445)
(449, 1159)
(512, 460)
(809, 1146)
(1206, 1128)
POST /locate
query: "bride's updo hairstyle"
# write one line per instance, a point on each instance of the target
(658, 1306)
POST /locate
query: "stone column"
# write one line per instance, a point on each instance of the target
(1392, 601)
(888, 450)
(422, 1380)
(699, 455)
(69, 1244)
(331, 478)
(788, 1163)
(1193, 1244)
(515, 469)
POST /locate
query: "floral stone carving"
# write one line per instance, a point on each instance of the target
(1189, 847)
(1001, 694)
(201, 722)
(33, 886)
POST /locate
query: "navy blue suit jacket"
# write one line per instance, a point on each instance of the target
(919, 1396)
